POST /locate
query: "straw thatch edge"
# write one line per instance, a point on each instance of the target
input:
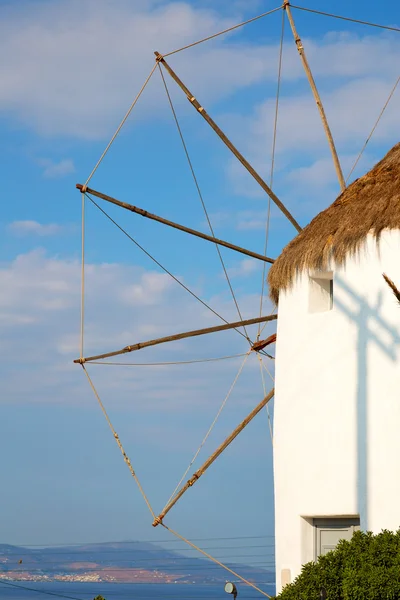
(369, 205)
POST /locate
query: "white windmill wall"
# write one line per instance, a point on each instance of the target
(337, 405)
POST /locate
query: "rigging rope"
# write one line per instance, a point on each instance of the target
(164, 364)
(262, 365)
(201, 196)
(126, 459)
(29, 589)
(265, 393)
(373, 129)
(268, 371)
(215, 560)
(262, 377)
(218, 539)
(116, 437)
(211, 459)
(82, 275)
(272, 164)
(210, 428)
(214, 35)
(325, 14)
(266, 323)
(159, 264)
(120, 125)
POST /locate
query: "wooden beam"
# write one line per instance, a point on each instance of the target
(227, 142)
(317, 98)
(177, 336)
(261, 344)
(213, 457)
(153, 217)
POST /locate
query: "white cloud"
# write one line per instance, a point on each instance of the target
(305, 178)
(52, 169)
(252, 219)
(160, 413)
(352, 109)
(246, 267)
(242, 220)
(24, 228)
(73, 67)
(148, 291)
(39, 328)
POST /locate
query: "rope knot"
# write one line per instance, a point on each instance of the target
(193, 480)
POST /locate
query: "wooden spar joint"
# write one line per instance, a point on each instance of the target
(80, 361)
(193, 479)
(81, 188)
(261, 344)
(158, 520)
(159, 57)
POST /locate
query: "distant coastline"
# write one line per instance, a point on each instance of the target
(125, 562)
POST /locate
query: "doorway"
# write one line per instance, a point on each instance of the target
(329, 531)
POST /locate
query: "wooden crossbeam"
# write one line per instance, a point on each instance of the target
(177, 336)
(201, 110)
(261, 344)
(317, 98)
(153, 217)
(213, 457)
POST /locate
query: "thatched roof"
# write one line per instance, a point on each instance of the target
(369, 204)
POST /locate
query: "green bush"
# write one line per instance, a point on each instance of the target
(365, 568)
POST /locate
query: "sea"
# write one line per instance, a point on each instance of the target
(123, 591)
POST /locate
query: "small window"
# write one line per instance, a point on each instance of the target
(321, 292)
(328, 533)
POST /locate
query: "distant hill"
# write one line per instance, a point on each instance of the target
(121, 561)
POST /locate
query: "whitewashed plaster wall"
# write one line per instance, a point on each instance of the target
(337, 405)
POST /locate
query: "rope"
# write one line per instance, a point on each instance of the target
(126, 459)
(29, 589)
(211, 539)
(246, 581)
(164, 364)
(214, 456)
(325, 14)
(159, 264)
(268, 371)
(373, 129)
(214, 35)
(272, 165)
(83, 276)
(210, 428)
(200, 195)
(265, 393)
(266, 323)
(120, 125)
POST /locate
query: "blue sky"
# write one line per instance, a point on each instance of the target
(70, 71)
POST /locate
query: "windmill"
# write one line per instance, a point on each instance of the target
(338, 340)
(304, 278)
